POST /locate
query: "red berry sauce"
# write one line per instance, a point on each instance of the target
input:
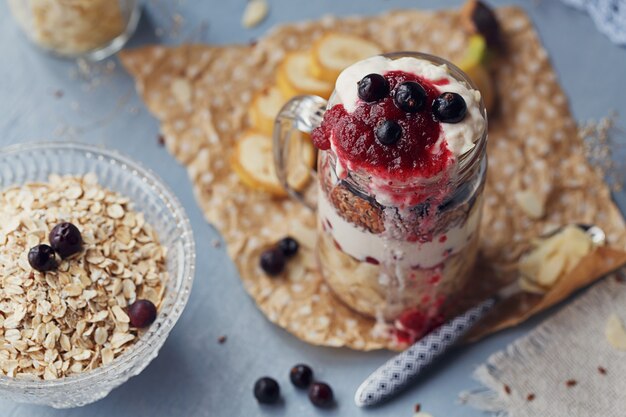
(413, 324)
(415, 155)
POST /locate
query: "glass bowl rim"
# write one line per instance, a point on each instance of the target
(144, 347)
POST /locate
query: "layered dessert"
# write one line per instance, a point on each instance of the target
(401, 175)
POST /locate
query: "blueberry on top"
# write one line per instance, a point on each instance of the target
(373, 87)
(388, 132)
(410, 97)
(449, 108)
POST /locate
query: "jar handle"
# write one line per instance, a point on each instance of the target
(301, 113)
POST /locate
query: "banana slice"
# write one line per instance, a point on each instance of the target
(473, 64)
(253, 162)
(264, 109)
(334, 52)
(294, 77)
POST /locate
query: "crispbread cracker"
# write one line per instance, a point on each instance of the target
(533, 147)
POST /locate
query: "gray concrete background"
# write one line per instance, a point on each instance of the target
(194, 375)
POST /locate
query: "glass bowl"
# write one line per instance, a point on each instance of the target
(35, 162)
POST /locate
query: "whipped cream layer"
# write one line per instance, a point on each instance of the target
(362, 245)
(458, 137)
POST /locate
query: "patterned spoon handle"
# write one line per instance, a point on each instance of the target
(402, 369)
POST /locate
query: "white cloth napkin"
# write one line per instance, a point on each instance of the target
(563, 368)
(608, 15)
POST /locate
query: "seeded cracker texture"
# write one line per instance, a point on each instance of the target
(201, 95)
(72, 319)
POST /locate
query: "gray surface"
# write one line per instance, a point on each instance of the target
(194, 375)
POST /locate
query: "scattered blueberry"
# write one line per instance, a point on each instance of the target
(449, 108)
(301, 376)
(410, 97)
(65, 239)
(288, 246)
(321, 395)
(42, 258)
(388, 132)
(266, 390)
(142, 313)
(373, 87)
(273, 261)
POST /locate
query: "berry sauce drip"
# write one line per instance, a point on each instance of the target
(414, 155)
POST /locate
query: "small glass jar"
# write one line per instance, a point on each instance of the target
(395, 252)
(92, 29)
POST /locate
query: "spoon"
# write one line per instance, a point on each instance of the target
(401, 370)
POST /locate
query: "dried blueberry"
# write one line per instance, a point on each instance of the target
(42, 258)
(288, 246)
(65, 239)
(142, 313)
(301, 376)
(321, 395)
(266, 390)
(373, 87)
(272, 261)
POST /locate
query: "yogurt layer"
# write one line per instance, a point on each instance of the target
(363, 245)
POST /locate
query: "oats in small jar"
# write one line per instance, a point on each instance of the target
(72, 27)
(71, 314)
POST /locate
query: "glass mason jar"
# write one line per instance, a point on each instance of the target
(387, 261)
(93, 29)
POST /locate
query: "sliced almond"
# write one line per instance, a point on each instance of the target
(550, 271)
(530, 203)
(530, 286)
(182, 91)
(615, 332)
(255, 12)
(554, 256)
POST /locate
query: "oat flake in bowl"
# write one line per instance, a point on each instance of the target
(65, 335)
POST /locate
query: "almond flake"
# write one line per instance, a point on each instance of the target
(255, 12)
(120, 314)
(120, 339)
